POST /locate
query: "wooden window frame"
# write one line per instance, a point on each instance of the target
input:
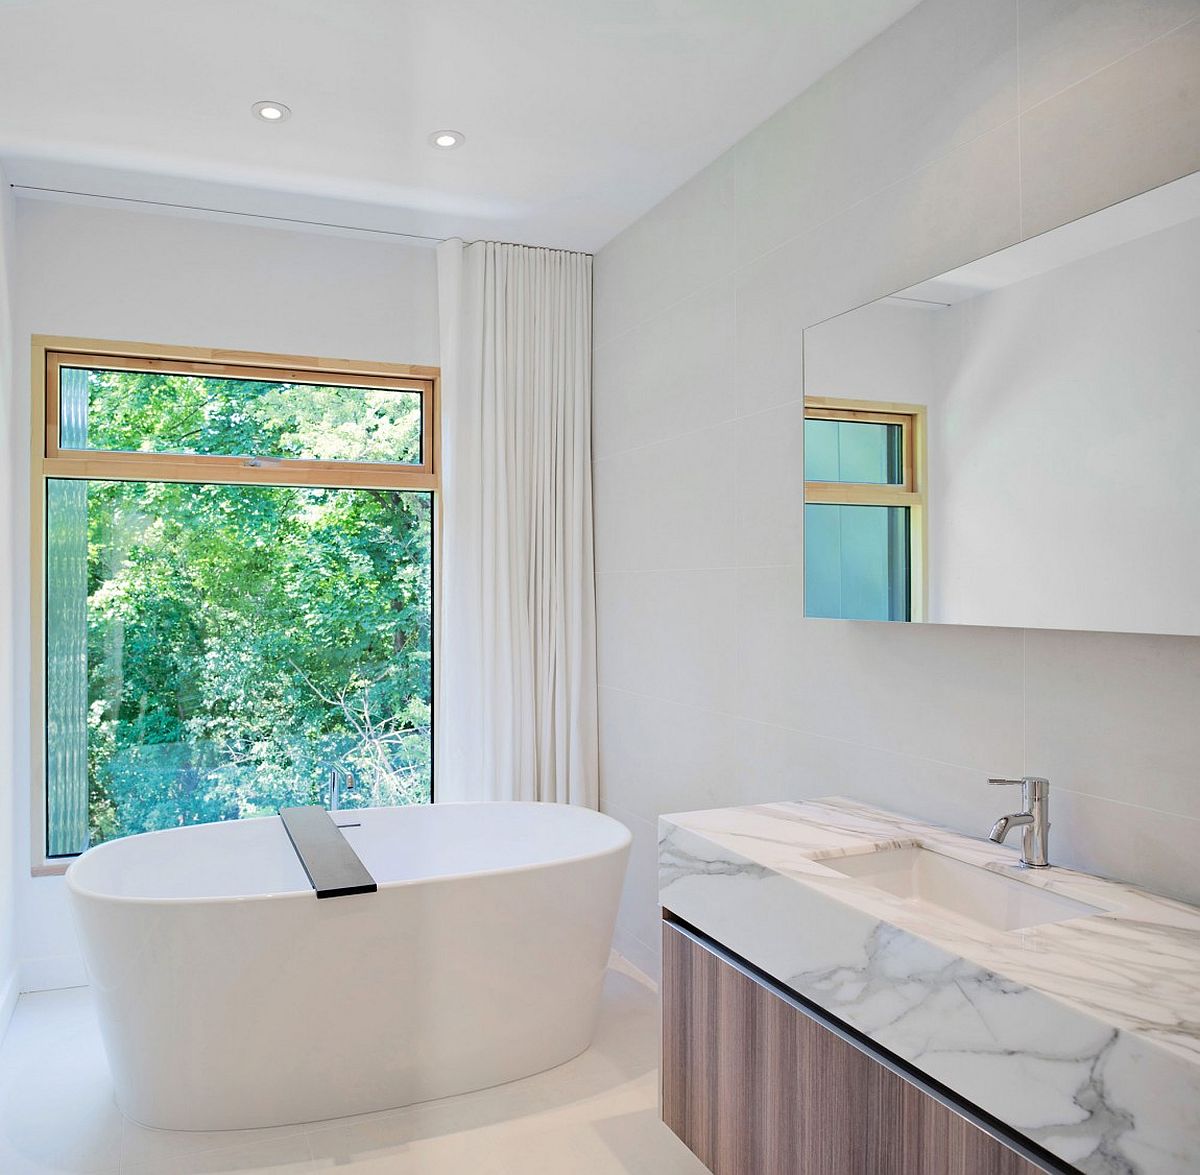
(118, 465)
(910, 493)
(48, 460)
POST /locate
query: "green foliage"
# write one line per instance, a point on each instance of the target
(243, 639)
(159, 413)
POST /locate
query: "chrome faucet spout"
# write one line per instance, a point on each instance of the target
(1006, 824)
(1034, 818)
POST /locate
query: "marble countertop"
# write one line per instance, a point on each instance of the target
(1083, 1035)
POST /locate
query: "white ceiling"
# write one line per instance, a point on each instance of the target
(579, 114)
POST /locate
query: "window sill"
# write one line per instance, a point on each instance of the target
(49, 869)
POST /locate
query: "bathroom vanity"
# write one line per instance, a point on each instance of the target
(846, 991)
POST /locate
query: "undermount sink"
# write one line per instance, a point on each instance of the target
(937, 884)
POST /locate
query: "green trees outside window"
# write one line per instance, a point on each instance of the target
(213, 649)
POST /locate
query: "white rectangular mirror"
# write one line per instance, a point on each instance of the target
(1017, 442)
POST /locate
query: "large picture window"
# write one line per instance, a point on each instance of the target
(236, 596)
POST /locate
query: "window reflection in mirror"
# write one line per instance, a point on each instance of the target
(863, 518)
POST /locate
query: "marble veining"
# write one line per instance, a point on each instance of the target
(1083, 1035)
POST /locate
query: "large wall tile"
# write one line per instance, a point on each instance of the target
(1065, 41)
(963, 206)
(1129, 843)
(658, 756)
(942, 75)
(667, 505)
(672, 375)
(680, 246)
(669, 635)
(768, 486)
(960, 207)
(1116, 716)
(782, 763)
(1126, 129)
(932, 691)
(774, 304)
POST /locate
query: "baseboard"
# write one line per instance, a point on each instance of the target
(53, 972)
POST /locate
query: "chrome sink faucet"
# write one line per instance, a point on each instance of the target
(1034, 819)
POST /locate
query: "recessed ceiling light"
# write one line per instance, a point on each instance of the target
(447, 140)
(271, 111)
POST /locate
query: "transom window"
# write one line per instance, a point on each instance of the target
(864, 500)
(236, 555)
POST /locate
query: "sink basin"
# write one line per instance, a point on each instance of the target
(935, 884)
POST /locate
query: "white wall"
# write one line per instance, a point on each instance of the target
(969, 125)
(117, 274)
(8, 619)
(887, 350)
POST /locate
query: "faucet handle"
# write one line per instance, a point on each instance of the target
(1035, 789)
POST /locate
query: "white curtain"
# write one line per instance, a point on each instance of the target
(515, 713)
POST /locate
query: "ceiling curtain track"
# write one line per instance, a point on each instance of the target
(516, 671)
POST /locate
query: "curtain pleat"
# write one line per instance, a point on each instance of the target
(516, 666)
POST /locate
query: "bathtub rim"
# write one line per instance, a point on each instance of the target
(79, 891)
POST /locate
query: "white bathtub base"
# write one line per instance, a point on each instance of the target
(236, 1014)
(287, 1101)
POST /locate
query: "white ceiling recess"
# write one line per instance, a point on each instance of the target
(579, 115)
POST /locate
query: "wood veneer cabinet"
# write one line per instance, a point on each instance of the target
(755, 1084)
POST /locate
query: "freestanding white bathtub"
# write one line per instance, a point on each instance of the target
(230, 996)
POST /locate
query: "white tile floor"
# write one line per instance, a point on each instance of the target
(596, 1115)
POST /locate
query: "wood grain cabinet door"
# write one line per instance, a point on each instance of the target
(755, 1085)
